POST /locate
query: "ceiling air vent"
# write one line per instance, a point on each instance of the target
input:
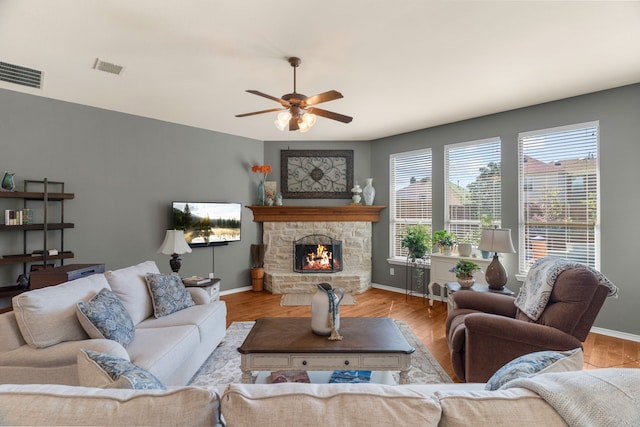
(108, 67)
(20, 75)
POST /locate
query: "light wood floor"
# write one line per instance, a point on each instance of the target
(428, 323)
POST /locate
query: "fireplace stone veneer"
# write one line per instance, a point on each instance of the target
(280, 278)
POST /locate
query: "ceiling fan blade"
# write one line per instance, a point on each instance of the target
(330, 115)
(322, 97)
(293, 123)
(260, 112)
(273, 98)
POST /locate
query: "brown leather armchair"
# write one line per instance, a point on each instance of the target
(486, 330)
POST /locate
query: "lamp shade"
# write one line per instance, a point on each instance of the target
(496, 240)
(174, 243)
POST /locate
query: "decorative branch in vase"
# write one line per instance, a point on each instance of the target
(262, 171)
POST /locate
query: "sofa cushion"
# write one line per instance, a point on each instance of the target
(206, 317)
(296, 404)
(537, 363)
(108, 371)
(130, 287)
(52, 404)
(496, 408)
(168, 294)
(104, 316)
(47, 316)
(162, 350)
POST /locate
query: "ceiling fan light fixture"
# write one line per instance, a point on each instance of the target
(309, 119)
(282, 121)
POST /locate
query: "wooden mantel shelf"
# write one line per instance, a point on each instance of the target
(316, 213)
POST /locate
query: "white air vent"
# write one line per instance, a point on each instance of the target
(108, 67)
(20, 75)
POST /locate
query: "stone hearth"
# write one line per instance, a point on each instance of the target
(281, 230)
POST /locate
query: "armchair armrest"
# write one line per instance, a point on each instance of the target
(492, 341)
(503, 305)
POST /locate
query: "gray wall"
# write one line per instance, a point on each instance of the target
(125, 171)
(618, 111)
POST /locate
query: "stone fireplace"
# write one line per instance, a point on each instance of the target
(284, 225)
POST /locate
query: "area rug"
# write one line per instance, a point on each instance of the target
(223, 366)
(305, 299)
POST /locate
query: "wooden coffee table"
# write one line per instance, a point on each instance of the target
(287, 343)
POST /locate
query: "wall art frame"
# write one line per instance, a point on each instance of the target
(316, 174)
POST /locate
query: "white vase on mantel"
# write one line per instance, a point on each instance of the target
(369, 192)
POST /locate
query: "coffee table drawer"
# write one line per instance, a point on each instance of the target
(386, 361)
(326, 362)
(262, 361)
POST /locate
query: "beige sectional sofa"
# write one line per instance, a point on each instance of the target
(41, 339)
(612, 398)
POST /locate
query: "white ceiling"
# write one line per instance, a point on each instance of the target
(401, 65)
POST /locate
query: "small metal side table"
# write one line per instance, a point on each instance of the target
(416, 277)
(453, 287)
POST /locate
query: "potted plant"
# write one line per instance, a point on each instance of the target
(444, 240)
(257, 268)
(416, 240)
(464, 272)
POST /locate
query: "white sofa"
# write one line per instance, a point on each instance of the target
(40, 340)
(613, 398)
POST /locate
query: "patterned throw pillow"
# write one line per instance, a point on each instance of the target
(536, 363)
(123, 373)
(168, 294)
(104, 316)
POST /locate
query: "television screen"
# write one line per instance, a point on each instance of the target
(207, 223)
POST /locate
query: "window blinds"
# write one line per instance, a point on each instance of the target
(558, 186)
(473, 188)
(410, 195)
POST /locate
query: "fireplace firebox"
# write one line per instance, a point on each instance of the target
(317, 253)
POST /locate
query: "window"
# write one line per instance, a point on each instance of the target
(473, 188)
(559, 194)
(410, 196)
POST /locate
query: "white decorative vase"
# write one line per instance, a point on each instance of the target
(369, 192)
(325, 309)
(465, 249)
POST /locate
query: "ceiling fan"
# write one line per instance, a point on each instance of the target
(297, 111)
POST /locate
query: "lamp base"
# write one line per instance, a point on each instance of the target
(175, 262)
(496, 275)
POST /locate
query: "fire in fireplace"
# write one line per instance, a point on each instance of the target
(317, 253)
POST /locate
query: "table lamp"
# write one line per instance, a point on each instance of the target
(175, 245)
(496, 240)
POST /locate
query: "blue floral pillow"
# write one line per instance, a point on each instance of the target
(123, 373)
(536, 363)
(104, 316)
(168, 294)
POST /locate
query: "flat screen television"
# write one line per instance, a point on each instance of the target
(207, 223)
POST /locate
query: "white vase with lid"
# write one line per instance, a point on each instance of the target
(369, 192)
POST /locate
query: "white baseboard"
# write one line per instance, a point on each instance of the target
(236, 290)
(616, 334)
(400, 291)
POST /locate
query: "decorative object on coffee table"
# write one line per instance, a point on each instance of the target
(496, 240)
(174, 244)
(325, 311)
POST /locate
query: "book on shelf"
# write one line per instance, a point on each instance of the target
(195, 280)
(289, 377)
(350, 377)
